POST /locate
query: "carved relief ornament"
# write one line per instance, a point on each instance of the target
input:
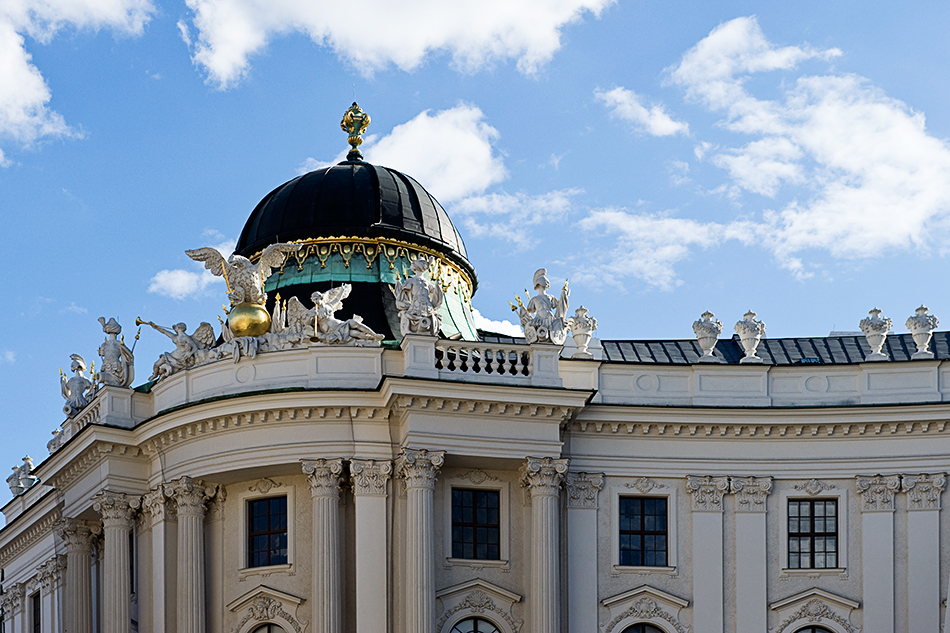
(877, 492)
(582, 489)
(643, 485)
(751, 492)
(817, 612)
(814, 487)
(707, 492)
(370, 476)
(923, 491)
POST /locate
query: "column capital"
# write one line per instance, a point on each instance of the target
(369, 476)
(582, 489)
(542, 476)
(419, 467)
(13, 597)
(750, 492)
(189, 494)
(877, 492)
(51, 573)
(157, 507)
(707, 492)
(323, 475)
(116, 508)
(77, 534)
(923, 491)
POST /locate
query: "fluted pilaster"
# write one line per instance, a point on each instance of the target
(542, 476)
(419, 469)
(370, 479)
(117, 510)
(190, 496)
(327, 592)
(78, 536)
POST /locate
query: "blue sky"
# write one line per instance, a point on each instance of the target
(667, 158)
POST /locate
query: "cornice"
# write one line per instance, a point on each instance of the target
(757, 431)
(36, 531)
(482, 407)
(89, 458)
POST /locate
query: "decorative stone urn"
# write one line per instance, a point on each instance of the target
(582, 327)
(922, 326)
(707, 331)
(875, 330)
(750, 331)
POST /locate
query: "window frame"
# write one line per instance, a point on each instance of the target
(244, 498)
(833, 493)
(672, 533)
(36, 612)
(504, 520)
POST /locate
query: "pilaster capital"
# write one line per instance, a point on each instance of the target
(707, 492)
(155, 505)
(370, 476)
(750, 492)
(419, 467)
(51, 573)
(216, 504)
(923, 491)
(13, 597)
(77, 534)
(542, 476)
(323, 475)
(582, 489)
(189, 494)
(116, 508)
(877, 492)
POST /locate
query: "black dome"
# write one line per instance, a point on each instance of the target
(353, 199)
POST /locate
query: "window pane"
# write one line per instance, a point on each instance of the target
(812, 534)
(267, 532)
(476, 525)
(643, 538)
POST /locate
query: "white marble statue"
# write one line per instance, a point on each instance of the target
(78, 390)
(245, 280)
(922, 326)
(543, 319)
(707, 330)
(750, 331)
(418, 300)
(875, 328)
(190, 349)
(22, 478)
(582, 327)
(291, 325)
(332, 331)
(118, 364)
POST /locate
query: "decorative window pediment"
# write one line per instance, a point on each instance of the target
(645, 604)
(478, 598)
(817, 608)
(263, 604)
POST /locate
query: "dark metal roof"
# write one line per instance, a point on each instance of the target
(353, 199)
(830, 350)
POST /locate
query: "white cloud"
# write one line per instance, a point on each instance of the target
(25, 117)
(179, 284)
(380, 33)
(498, 327)
(512, 217)
(626, 105)
(72, 307)
(859, 172)
(6, 356)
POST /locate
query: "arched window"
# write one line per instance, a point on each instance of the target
(475, 625)
(642, 628)
(813, 629)
(268, 628)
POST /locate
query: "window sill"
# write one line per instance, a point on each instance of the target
(476, 564)
(832, 571)
(286, 570)
(643, 570)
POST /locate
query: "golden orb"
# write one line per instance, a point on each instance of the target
(248, 319)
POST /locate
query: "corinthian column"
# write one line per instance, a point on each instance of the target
(419, 469)
(78, 536)
(190, 496)
(117, 510)
(326, 593)
(542, 476)
(370, 479)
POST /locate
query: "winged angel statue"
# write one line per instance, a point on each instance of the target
(329, 329)
(245, 279)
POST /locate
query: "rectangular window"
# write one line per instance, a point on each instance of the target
(476, 525)
(643, 532)
(812, 534)
(267, 532)
(36, 607)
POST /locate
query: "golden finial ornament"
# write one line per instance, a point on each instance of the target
(354, 123)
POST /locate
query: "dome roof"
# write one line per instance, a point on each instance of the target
(353, 199)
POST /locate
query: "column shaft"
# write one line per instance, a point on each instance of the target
(582, 538)
(78, 584)
(190, 496)
(116, 510)
(372, 573)
(327, 590)
(543, 478)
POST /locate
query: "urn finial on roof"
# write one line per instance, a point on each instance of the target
(354, 123)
